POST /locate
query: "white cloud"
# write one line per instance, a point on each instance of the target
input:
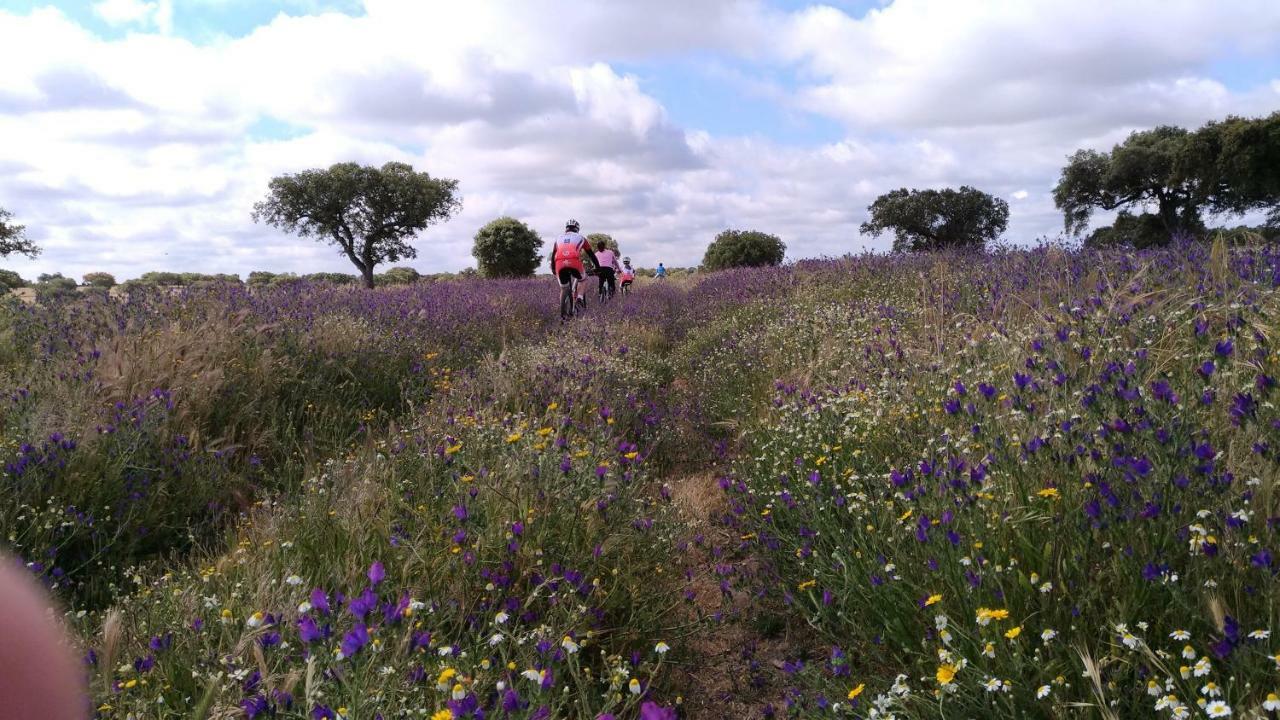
(153, 13)
(120, 12)
(140, 153)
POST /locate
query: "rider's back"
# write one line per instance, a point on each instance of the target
(607, 258)
(568, 251)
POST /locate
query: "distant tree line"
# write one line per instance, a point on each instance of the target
(1161, 183)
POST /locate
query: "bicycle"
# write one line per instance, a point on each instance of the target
(568, 299)
(605, 291)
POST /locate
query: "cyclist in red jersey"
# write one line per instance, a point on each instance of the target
(566, 257)
(627, 276)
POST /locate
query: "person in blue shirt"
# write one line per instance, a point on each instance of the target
(660, 273)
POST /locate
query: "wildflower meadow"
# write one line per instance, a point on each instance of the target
(1024, 483)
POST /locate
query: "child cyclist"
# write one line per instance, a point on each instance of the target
(626, 276)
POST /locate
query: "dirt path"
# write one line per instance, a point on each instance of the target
(733, 668)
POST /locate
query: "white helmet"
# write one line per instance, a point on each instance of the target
(571, 225)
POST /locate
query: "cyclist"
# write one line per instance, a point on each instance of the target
(660, 273)
(566, 262)
(626, 276)
(606, 268)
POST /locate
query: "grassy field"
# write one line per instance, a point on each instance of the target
(1032, 483)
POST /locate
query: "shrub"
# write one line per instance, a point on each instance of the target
(398, 276)
(1137, 231)
(507, 247)
(163, 279)
(10, 280)
(100, 279)
(743, 248)
(332, 278)
(54, 287)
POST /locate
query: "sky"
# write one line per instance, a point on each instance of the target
(136, 135)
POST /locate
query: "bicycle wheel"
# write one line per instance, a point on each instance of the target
(566, 303)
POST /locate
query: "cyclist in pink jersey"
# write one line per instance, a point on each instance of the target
(607, 267)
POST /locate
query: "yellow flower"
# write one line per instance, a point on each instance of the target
(452, 449)
(445, 714)
(986, 615)
(545, 432)
(946, 673)
(634, 686)
(806, 584)
(933, 600)
(631, 455)
(1048, 492)
(1012, 633)
(514, 437)
(442, 682)
(553, 406)
(857, 691)
(131, 684)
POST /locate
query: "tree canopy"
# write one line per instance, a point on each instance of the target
(1226, 167)
(609, 242)
(506, 247)
(398, 276)
(10, 280)
(938, 219)
(370, 213)
(13, 239)
(100, 279)
(51, 287)
(743, 248)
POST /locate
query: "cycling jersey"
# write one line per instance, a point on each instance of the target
(628, 275)
(607, 258)
(568, 253)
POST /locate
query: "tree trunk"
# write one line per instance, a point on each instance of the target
(366, 276)
(1169, 215)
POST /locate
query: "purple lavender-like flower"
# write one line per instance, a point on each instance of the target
(363, 604)
(511, 701)
(1262, 559)
(308, 632)
(652, 711)
(1243, 406)
(377, 573)
(354, 640)
(320, 600)
(255, 706)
